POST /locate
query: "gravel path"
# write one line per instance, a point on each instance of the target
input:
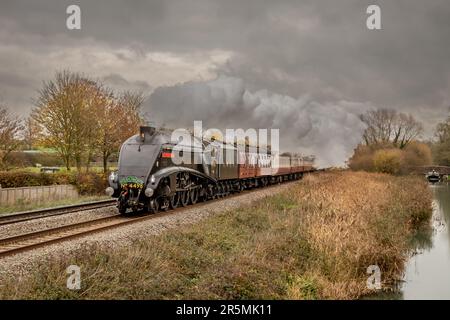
(123, 236)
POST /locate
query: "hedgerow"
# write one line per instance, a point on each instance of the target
(87, 183)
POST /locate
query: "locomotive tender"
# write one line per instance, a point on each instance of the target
(149, 179)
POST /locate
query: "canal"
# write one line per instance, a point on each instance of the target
(427, 274)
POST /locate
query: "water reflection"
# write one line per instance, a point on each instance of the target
(427, 274)
(422, 240)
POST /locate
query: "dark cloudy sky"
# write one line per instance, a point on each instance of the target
(319, 49)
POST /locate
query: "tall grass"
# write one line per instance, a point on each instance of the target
(313, 242)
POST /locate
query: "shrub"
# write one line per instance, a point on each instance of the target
(90, 183)
(16, 179)
(87, 183)
(417, 154)
(362, 159)
(388, 161)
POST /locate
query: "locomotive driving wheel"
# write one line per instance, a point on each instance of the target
(215, 192)
(174, 200)
(165, 204)
(219, 191)
(153, 206)
(194, 196)
(184, 198)
(203, 194)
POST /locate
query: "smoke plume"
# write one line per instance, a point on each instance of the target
(330, 131)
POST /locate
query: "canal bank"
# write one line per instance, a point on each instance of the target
(427, 273)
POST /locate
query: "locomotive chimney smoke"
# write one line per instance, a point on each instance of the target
(330, 131)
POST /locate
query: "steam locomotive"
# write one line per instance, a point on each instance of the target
(148, 177)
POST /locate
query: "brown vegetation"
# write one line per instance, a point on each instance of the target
(314, 242)
(89, 183)
(389, 145)
(441, 148)
(387, 126)
(387, 159)
(10, 127)
(80, 117)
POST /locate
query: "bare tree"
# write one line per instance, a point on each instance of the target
(100, 98)
(30, 132)
(10, 127)
(380, 124)
(120, 120)
(385, 126)
(82, 118)
(64, 115)
(406, 130)
(441, 148)
(442, 132)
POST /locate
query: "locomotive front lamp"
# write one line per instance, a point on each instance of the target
(148, 192)
(113, 177)
(109, 191)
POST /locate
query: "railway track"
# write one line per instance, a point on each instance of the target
(24, 242)
(28, 241)
(31, 240)
(43, 213)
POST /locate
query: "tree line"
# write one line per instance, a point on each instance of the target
(10, 128)
(385, 126)
(78, 117)
(391, 143)
(82, 119)
(441, 148)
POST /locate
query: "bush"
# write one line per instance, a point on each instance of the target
(87, 183)
(417, 154)
(16, 179)
(91, 183)
(388, 161)
(362, 159)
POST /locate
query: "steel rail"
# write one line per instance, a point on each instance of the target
(55, 211)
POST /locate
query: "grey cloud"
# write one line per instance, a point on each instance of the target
(315, 47)
(329, 131)
(116, 81)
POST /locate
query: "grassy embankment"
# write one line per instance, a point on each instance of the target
(313, 242)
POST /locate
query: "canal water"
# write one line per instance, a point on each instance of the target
(427, 274)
